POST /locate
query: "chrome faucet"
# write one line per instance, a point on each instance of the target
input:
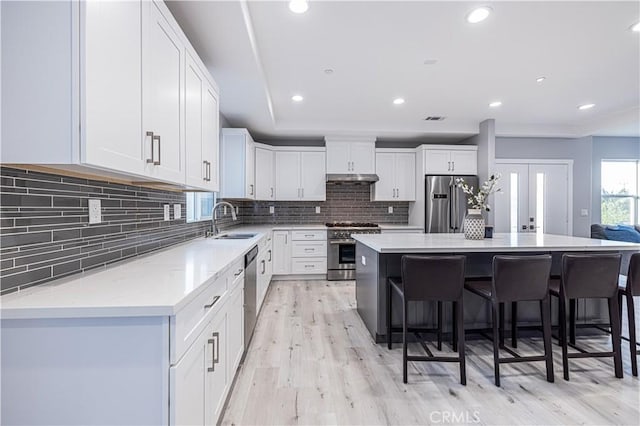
(214, 216)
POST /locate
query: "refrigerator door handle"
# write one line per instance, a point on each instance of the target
(451, 207)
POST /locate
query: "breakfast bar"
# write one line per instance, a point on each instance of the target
(378, 258)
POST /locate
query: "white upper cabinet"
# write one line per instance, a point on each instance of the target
(397, 172)
(113, 98)
(450, 160)
(350, 155)
(265, 180)
(237, 165)
(300, 175)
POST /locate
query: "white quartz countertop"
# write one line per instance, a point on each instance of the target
(456, 243)
(400, 227)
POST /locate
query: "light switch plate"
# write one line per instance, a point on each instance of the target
(167, 212)
(363, 260)
(390, 209)
(584, 212)
(177, 211)
(317, 209)
(272, 209)
(95, 211)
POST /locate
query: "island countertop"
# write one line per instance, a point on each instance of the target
(501, 242)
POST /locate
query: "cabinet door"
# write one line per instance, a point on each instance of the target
(162, 67)
(464, 162)
(264, 175)
(405, 170)
(384, 189)
(187, 385)
(216, 365)
(113, 89)
(196, 168)
(250, 168)
(338, 160)
(437, 161)
(235, 325)
(287, 175)
(269, 250)
(313, 176)
(281, 252)
(262, 281)
(211, 136)
(363, 157)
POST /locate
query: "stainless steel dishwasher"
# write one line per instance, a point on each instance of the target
(250, 278)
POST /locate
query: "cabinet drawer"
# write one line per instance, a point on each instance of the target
(187, 323)
(311, 265)
(308, 235)
(309, 249)
(235, 274)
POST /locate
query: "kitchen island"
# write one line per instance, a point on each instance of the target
(378, 257)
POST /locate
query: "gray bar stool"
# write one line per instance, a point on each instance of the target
(429, 278)
(517, 279)
(589, 276)
(630, 289)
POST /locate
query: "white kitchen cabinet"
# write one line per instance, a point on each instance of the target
(300, 175)
(397, 173)
(265, 181)
(216, 364)
(281, 252)
(237, 165)
(265, 269)
(351, 155)
(455, 160)
(201, 124)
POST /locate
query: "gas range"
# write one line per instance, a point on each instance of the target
(341, 248)
(343, 230)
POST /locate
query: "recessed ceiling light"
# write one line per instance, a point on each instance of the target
(586, 106)
(478, 15)
(298, 6)
(495, 104)
(398, 101)
(636, 27)
(430, 61)
(540, 79)
(328, 71)
(297, 98)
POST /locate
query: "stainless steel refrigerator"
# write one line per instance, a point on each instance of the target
(445, 203)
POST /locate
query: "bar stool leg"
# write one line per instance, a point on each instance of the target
(404, 340)
(496, 343)
(454, 328)
(563, 335)
(632, 334)
(514, 324)
(389, 334)
(501, 327)
(439, 332)
(459, 327)
(545, 312)
(572, 321)
(614, 317)
(620, 304)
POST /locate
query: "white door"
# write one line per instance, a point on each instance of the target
(264, 174)
(215, 368)
(385, 188)
(250, 168)
(405, 170)
(196, 168)
(464, 162)
(363, 157)
(187, 385)
(312, 176)
(338, 160)
(281, 252)
(287, 175)
(162, 65)
(113, 90)
(437, 161)
(211, 137)
(534, 198)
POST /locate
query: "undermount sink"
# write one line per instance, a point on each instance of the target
(235, 236)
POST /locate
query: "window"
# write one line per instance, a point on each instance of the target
(199, 205)
(620, 181)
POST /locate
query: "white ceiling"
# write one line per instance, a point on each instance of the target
(260, 54)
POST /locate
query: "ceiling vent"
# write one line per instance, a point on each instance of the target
(434, 118)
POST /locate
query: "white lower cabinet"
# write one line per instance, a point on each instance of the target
(281, 252)
(216, 362)
(265, 269)
(300, 252)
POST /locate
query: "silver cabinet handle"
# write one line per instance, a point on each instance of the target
(215, 359)
(308, 266)
(204, 166)
(238, 273)
(213, 302)
(264, 267)
(150, 135)
(208, 171)
(271, 192)
(309, 249)
(397, 192)
(448, 166)
(286, 238)
(269, 251)
(156, 138)
(453, 166)
(251, 189)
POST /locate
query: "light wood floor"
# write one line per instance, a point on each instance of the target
(313, 362)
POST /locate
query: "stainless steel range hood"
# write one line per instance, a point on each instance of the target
(352, 178)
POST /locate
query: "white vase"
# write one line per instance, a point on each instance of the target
(474, 225)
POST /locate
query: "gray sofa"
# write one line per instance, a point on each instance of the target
(598, 231)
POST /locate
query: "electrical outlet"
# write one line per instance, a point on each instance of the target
(167, 212)
(317, 209)
(272, 209)
(177, 211)
(95, 211)
(390, 210)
